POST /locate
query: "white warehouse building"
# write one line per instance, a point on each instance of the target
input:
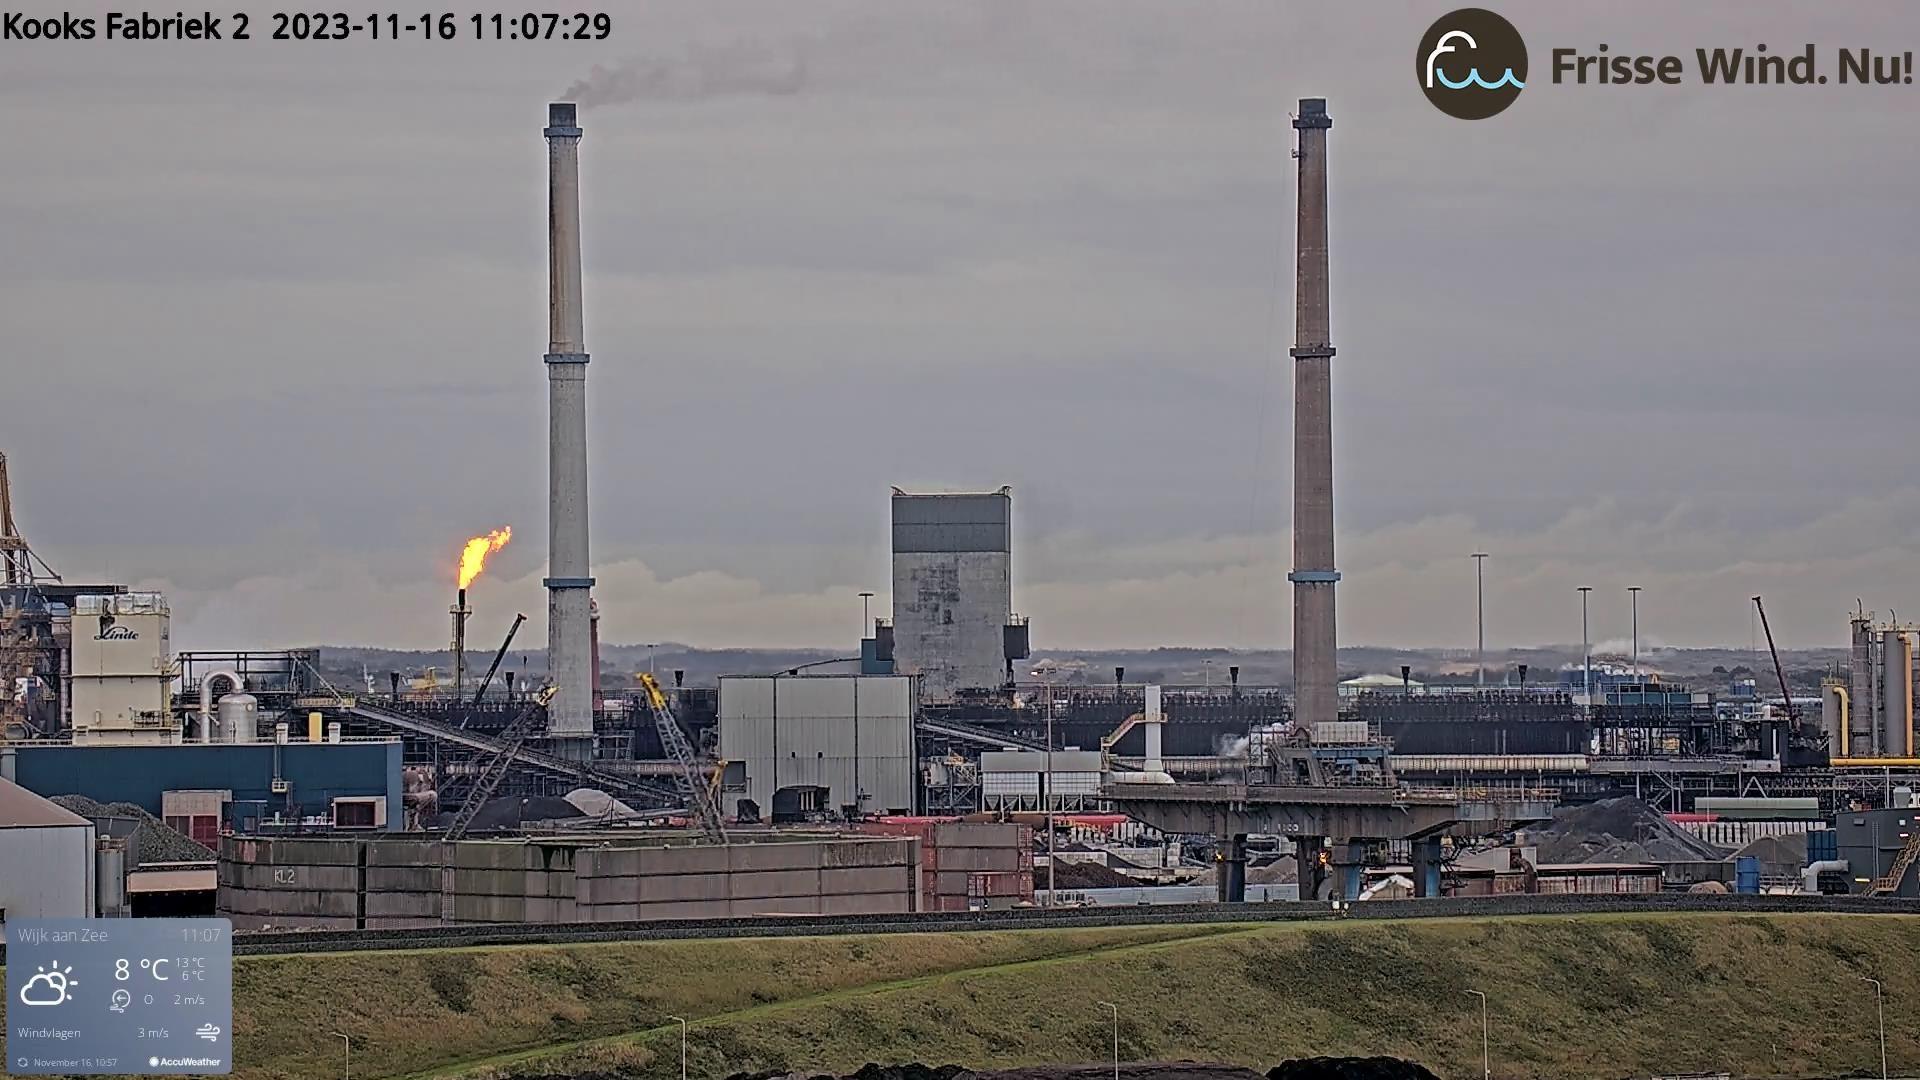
(46, 858)
(800, 746)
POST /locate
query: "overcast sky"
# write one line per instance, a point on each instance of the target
(274, 312)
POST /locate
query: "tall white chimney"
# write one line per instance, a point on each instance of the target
(569, 584)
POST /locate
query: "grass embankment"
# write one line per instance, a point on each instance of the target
(1598, 996)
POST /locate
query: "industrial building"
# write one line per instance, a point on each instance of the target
(953, 622)
(802, 747)
(121, 673)
(1034, 780)
(47, 855)
(1869, 714)
(1879, 847)
(257, 786)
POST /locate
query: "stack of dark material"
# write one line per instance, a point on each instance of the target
(1087, 875)
(1778, 854)
(149, 840)
(912, 1070)
(513, 812)
(1320, 1068)
(1353, 1068)
(1623, 830)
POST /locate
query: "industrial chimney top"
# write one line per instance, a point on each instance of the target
(1313, 114)
(561, 120)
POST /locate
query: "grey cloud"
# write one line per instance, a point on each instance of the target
(1662, 335)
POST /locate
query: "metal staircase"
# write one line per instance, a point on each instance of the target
(1898, 872)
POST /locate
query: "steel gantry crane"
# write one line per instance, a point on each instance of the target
(512, 738)
(702, 799)
(26, 644)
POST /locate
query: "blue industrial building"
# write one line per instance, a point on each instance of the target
(272, 784)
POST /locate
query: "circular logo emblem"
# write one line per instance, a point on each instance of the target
(1471, 63)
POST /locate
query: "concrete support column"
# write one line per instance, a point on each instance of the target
(1349, 868)
(1233, 869)
(1312, 875)
(1426, 867)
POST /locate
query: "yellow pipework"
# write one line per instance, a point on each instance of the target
(1875, 763)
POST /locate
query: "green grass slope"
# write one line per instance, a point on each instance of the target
(1576, 997)
(409, 1012)
(1601, 997)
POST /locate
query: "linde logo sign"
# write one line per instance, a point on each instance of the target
(1472, 64)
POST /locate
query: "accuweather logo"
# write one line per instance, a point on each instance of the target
(1471, 64)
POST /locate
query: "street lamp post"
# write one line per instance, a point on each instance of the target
(1586, 650)
(349, 1040)
(1116, 1037)
(1634, 591)
(1486, 1061)
(683, 1044)
(1880, 1007)
(1480, 607)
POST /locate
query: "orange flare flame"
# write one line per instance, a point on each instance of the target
(473, 558)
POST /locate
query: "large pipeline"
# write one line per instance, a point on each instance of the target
(206, 699)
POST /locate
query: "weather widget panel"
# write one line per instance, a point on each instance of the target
(119, 996)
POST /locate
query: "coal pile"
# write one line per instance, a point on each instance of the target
(508, 813)
(1352, 1068)
(1778, 854)
(1281, 871)
(149, 840)
(1129, 1070)
(912, 1070)
(1319, 1068)
(1087, 875)
(1622, 830)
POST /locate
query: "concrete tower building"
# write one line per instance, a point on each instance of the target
(1315, 676)
(569, 584)
(953, 590)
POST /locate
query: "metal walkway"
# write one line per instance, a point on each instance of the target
(526, 758)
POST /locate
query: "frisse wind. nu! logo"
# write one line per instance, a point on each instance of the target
(1471, 63)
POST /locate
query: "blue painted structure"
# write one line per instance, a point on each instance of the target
(870, 662)
(317, 772)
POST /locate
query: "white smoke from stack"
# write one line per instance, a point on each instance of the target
(1623, 646)
(740, 69)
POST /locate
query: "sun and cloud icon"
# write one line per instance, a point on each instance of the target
(48, 985)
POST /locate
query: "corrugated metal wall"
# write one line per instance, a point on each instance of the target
(845, 733)
(46, 872)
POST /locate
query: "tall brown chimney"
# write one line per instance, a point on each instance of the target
(1315, 693)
